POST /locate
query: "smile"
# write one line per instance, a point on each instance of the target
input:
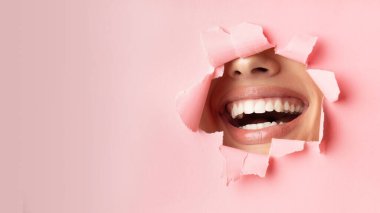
(256, 117)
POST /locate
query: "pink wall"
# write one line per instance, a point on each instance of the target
(88, 121)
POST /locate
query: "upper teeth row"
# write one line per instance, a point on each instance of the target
(250, 106)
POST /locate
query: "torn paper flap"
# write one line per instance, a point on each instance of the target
(249, 39)
(190, 103)
(218, 46)
(315, 145)
(239, 162)
(282, 147)
(219, 71)
(326, 82)
(255, 164)
(223, 46)
(241, 41)
(298, 48)
(234, 162)
(321, 124)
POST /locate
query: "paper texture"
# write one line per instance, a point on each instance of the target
(298, 48)
(241, 41)
(190, 103)
(326, 82)
(282, 147)
(248, 39)
(218, 46)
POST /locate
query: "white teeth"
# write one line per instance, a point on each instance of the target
(266, 124)
(287, 105)
(297, 109)
(237, 110)
(260, 106)
(234, 110)
(249, 106)
(259, 125)
(292, 108)
(240, 108)
(278, 106)
(250, 126)
(269, 106)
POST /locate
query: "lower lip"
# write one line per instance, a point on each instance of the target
(260, 136)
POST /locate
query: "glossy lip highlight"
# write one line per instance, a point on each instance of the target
(260, 136)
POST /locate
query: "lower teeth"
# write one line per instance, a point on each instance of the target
(260, 125)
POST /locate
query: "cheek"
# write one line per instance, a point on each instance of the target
(311, 89)
(218, 89)
(209, 121)
(309, 130)
(296, 78)
(299, 80)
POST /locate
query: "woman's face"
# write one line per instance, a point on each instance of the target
(261, 97)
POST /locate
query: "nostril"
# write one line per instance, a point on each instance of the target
(259, 69)
(237, 73)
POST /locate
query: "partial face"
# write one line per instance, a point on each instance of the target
(261, 97)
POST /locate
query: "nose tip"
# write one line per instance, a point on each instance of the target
(256, 66)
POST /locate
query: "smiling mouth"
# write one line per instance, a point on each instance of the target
(256, 120)
(254, 114)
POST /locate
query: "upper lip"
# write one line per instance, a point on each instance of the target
(242, 93)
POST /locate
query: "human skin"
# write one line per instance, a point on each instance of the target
(264, 77)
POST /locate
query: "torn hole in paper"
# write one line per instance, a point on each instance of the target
(265, 101)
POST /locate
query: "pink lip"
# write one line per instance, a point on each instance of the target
(250, 137)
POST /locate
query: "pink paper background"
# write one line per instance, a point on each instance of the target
(88, 121)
